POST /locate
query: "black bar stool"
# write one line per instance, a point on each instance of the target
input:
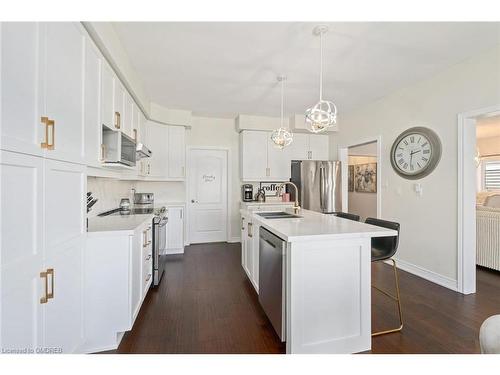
(346, 215)
(384, 248)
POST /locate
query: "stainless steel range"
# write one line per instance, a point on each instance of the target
(143, 205)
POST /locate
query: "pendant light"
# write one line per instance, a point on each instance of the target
(282, 137)
(324, 114)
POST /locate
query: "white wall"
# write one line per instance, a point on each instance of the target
(428, 223)
(221, 132)
(109, 192)
(362, 204)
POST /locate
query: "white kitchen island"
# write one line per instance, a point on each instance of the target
(328, 281)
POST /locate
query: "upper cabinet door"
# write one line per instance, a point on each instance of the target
(118, 104)
(20, 126)
(176, 152)
(278, 161)
(21, 250)
(300, 147)
(254, 155)
(158, 144)
(127, 114)
(91, 115)
(318, 146)
(107, 81)
(63, 64)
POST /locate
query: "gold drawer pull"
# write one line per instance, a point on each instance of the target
(148, 257)
(44, 298)
(50, 272)
(135, 135)
(103, 152)
(49, 134)
(147, 278)
(117, 120)
(147, 244)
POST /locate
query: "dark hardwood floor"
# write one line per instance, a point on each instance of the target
(205, 304)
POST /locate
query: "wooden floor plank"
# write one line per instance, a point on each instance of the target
(205, 304)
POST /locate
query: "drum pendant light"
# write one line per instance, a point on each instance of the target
(282, 137)
(324, 113)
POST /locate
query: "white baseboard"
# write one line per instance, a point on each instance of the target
(426, 274)
(234, 239)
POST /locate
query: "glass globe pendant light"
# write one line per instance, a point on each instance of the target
(282, 137)
(324, 114)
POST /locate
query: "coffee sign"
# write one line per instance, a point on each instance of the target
(270, 188)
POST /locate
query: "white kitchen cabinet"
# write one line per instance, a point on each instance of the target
(42, 67)
(118, 103)
(20, 129)
(128, 119)
(106, 97)
(261, 160)
(249, 249)
(41, 232)
(64, 220)
(21, 250)
(176, 152)
(92, 87)
(175, 230)
(278, 162)
(122, 259)
(253, 154)
(62, 61)
(318, 147)
(249, 261)
(158, 144)
(299, 148)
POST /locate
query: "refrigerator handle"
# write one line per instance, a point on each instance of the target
(321, 187)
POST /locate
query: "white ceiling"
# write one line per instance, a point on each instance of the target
(222, 69)
(488, 127)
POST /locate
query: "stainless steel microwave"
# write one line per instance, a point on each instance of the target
(118, 148)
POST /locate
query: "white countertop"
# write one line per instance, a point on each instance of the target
(117, 224)
(316, 226)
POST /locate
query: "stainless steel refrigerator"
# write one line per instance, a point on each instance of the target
(319, 185)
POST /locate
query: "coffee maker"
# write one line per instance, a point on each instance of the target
(247, 192)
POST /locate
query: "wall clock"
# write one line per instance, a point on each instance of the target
(415, 153)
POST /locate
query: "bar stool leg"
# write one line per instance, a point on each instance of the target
(397, 299)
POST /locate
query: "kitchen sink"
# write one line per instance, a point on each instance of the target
(278, 215)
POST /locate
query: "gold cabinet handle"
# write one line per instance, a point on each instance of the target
(148, 257)
(117, 120)
(50, 272)
(103, 152)
(135, 134)
(250, 225)
(149, 168)
(147, 278)
(45, 298)
(144, 238)
(50, 133)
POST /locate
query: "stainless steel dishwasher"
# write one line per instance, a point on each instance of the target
(272, 279)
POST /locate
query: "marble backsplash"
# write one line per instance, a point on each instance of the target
(110, 191)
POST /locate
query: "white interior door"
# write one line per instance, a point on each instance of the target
(207, 200)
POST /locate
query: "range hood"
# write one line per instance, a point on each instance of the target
(142, 151)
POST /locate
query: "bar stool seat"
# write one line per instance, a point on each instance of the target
(384, 248)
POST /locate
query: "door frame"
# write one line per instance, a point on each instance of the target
(466, 214)
(229, 194)
(343, 155)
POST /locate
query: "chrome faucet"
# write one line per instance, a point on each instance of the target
(296, 206)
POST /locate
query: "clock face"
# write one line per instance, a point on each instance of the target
(412, 153)
(416, 152)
